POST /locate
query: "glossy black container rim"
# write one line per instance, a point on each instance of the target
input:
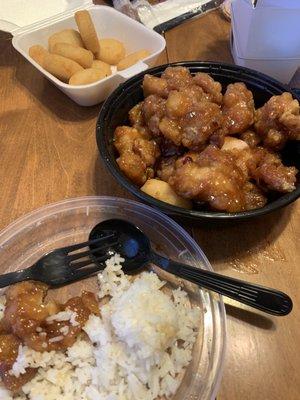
(247, 75)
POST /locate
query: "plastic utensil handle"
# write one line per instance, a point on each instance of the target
(14, 277)
(265, 299)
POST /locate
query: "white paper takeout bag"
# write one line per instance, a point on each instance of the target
(267, 36)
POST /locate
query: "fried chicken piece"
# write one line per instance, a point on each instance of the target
(154, 85)
(198, 125)
(254, 196)
(182, 101)
(171, 130)
(238, 108)
(56, 335)
(168, 148)
(173, 78)
(264, 167)
(25, 308)
(153, 110)
(137, 154)
(270, 173)
(136, 116)
(251, 138)
(147, 150)
(177, 77)
(166, 168)
(9, 348)
(210, 86)
(210, 176)
(278, 121)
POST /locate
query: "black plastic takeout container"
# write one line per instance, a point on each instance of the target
(115, 112)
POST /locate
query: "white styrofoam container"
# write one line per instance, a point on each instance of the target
(281, 69)
(108, 23)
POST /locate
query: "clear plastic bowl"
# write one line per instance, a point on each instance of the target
(70, 221)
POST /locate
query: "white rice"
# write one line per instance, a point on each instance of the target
(133, 353)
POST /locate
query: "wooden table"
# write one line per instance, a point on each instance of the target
(48, 153)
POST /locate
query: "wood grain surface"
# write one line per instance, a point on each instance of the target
(48, 153)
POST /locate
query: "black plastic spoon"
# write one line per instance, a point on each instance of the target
(134, 246)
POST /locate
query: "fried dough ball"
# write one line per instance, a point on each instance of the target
(61, 67)
(132, 59)
(87, 30)
(65, 36)
(209, 86)
(86, 76)
(238, 108)
(111, 51)
(97, 64)
(82, 56)
(278, 121)
(38, 54)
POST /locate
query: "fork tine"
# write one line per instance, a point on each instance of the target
(85, 263)
(86, 272)
(76, 256)
(78, 246)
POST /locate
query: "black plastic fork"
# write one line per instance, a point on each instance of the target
(65, 265)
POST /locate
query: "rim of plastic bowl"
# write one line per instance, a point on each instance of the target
(216, 301)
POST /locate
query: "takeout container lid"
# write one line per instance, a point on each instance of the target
(14, 18)
(108, 23)
(271, 30)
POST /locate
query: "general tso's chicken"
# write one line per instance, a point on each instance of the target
(166, 168)
(251, 138)
(136, 116)
(153, 110)
(200, 124)
(177, 77)
(254, 196)
(278, 121)
(210, 176)
(60, 335)
(270, 173)
(137, 155)
(259, 164)
(238, 108)
(155, 85)
(31, 320)
(25, 308)
(9, 347)
(182, 135)
(210, 86)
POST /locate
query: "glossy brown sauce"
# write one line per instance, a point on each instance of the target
(26, 321)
